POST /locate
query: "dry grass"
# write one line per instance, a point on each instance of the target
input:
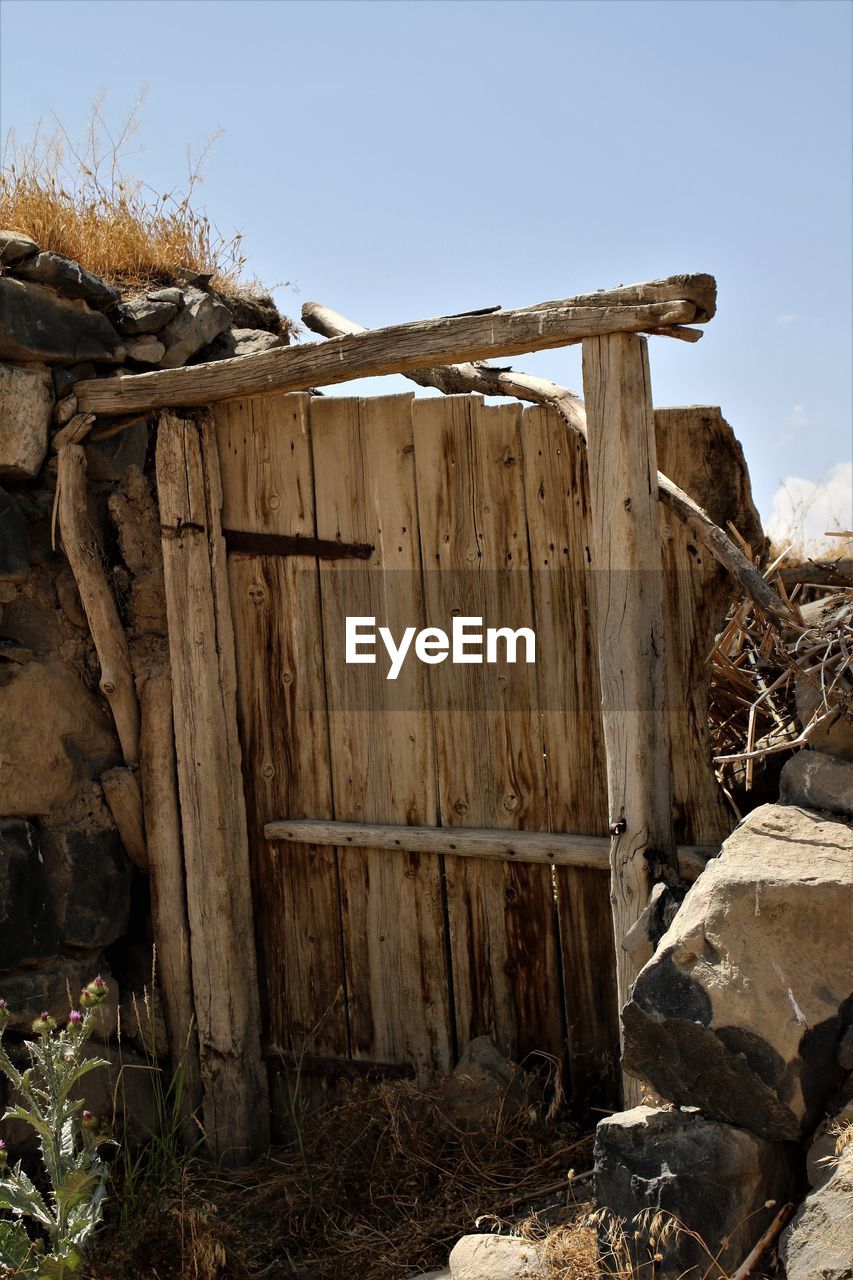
(376, 1186)
(76, 199)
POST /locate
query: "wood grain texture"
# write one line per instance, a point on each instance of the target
(697, 449)
(86, 558)
(124, 798)
(268, 487)
(625, 559)
(558, 516)
(213, 816)
(158, 770)
(491, 768)
(395, 349)
(380, 732)
(544, 847)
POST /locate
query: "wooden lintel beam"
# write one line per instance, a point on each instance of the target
(280, 544)
(551, 848)
(404, 347)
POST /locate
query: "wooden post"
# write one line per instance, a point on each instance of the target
(168, 889)
(625, 556)
(213, 814)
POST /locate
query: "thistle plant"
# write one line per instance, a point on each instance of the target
(61, 1219)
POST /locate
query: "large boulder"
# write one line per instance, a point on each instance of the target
(26, 403)
(818, 1245)
(818, 781)
(27, 926)
(15, 246)
(742, 1006)
(53, 732)
(36, 324)
(658, 1169)
(89, 876)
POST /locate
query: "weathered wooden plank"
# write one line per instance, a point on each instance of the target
(488, 738)
(625, 558)
(380, 734)
(697, 449)
(213, 816)
(395, 349)
(543, 847)
(267, 484)
(557, 499)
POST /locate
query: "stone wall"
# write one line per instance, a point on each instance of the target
(72, 903)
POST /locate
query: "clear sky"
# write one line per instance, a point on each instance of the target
(409, 158)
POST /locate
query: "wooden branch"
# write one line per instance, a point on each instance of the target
(626, 564)
(551, 848)
(168, 890)
(124, 797)
(85, 556)
(483, 380)
(400, 348)
(760, 1248)
(213, 812)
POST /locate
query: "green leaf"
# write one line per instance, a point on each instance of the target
(58, 1267)
(76, 1187)
(15, 1245)
(20, 1195)
(32, 1118)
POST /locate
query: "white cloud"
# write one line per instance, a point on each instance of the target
(787, 318)
(796, 419)
(804, 511)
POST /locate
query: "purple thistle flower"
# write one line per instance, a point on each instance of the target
(75, 1016)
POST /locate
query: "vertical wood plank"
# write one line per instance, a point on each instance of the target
(696, 448)
(557, 499)
(625, 558)
(213, 815)
(267, 482)
(381, 738)
(491, 769)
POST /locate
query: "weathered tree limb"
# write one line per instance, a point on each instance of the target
(550, 848)
(124, 797)
(626, 563)
(487, 381)
(87, 564)
(400, 348)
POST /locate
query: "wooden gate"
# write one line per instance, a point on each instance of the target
(413, 511)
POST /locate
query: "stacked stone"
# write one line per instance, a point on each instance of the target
(67, 886)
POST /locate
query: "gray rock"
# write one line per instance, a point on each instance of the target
(818, 1245)
(28, 992)
(64, 379)
(135, 316)
(26, 404)
(202, 320)
(818, 781)
(240, 342)
(196, 279)
(175, 296)
(16, 247)
(484, 1084)
(254, 311)
(68, 278)
(89, 877)
(482, 1257)
(145, 350)
(27, 928)
(108, 459)
(55, 732)
(14, 539)
(740, 1009)
(713, 1179)
(834, 735)
(35, 324)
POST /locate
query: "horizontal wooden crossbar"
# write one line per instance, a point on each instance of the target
(471, 842)
(658, 305)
